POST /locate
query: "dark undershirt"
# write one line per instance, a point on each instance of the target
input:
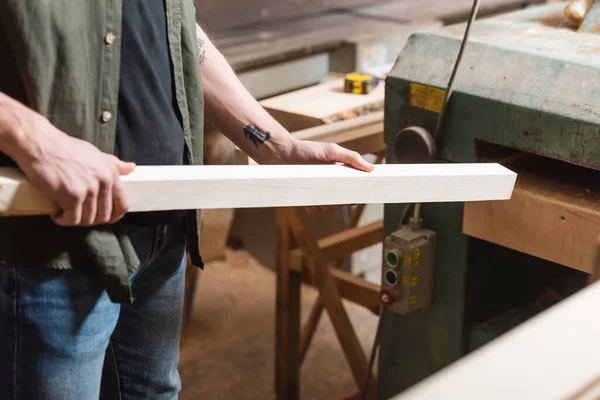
(149, 130)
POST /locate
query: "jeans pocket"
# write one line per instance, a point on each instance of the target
(158, 235)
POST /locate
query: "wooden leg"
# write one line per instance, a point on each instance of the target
(287, 319)
(311, 326)
(330, 296)
(317, 309)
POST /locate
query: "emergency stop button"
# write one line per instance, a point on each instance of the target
(387, 297)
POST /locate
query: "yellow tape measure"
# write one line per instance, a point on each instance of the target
(360, 83)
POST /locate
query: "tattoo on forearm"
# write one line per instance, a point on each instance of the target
(256, 135)
(201, 51)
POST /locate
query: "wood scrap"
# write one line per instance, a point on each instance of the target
(321, 104)
(152, 188)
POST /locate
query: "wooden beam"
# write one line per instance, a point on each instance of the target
(353, 288)
(553, 355)
(553, 220)
(311, 326)
(340, 245)
(152, 188)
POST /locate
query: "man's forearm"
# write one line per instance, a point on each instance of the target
(231, 108)
(14, 121)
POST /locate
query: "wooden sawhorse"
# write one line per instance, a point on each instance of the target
(301, 258)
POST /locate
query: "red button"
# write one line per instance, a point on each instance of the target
(387, 297)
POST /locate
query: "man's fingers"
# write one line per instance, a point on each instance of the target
(125, 168)
(105, 204)
(88, 210)
(71, 217)
(120, 202)
(349, 157)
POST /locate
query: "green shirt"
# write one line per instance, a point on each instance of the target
(68, 57)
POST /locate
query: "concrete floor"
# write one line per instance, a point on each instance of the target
(228, 349)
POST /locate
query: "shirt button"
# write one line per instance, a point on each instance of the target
(109, 38)
(106, 116)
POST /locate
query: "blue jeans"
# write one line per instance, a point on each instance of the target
(62, 338)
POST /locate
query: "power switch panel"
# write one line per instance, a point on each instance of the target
(408, 269)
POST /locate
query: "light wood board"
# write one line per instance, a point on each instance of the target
(322, 104)
(152, 188)
(553, 356)
(549, 219)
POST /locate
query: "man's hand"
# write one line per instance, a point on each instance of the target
(82, 180)
(295, 151)
(306, 152)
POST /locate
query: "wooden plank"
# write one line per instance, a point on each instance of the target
(151, 188)
(342, 244)
(546, 218)
(552, 356)
(287, 319)
(322, 104)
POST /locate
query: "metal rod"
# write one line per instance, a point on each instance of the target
(450, 88)
(417, 213)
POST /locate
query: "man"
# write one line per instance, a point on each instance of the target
(91, 299)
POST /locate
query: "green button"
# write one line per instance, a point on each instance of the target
(392, 259)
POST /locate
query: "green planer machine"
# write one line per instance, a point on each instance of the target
(457, 276)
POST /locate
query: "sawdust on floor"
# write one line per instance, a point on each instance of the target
(228, 349)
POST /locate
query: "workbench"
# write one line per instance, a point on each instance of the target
(526, 96)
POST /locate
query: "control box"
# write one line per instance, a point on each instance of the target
(408, 269)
